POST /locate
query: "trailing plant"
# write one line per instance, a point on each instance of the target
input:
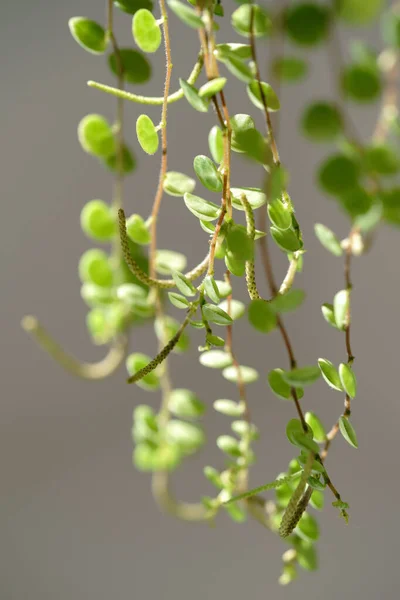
(126, 286)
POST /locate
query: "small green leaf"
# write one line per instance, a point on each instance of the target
(328, 239)
(234, 308)
(242, 51)
(238, 68)
(130, 293)
(391, 27)
(216, 315)
(301, 440)
(188, 437)
(204, 210)
(213, 477)
(178, 184)
(186, 14)
(305, 553)
(137, 230)
(308, 528)
(316, 425)
(216, 144)
(229, 445)
(215, 359)
(89, 34)
(247, 374)
(211, 288)
(261, 316)
(168, 261)
(215, 340)
(348, 432)
(266, 93)
(287, 302)
(183, 284)
(253, 145)
(243, 428)
(97, 221)
(280, 214)
(348, 379)
(290, 69)
(145, 30)
(255, 197)
(361, 82)
(287, 240)
(132, 6)
(95, 136)
(307, 23)
(136, 67)
(229, 408)
(178, 300)
(280, 388)
(359, 12)
(239, 124)
(242, 21)
(224, 288)
(381, 159)
(137, 361)
(212, 87)
(94, 267)
(294, 427)
(185, 404)
(192, 96)
(207, 172)
(239, 243)
(322, 122)
(237, 513)
(301, 376)
(328, 314)
(146, 134)
(330, 374)
(112, 161)
(340, 308)
(236, 266)
(338, 174)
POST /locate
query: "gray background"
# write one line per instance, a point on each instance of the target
(77, 521)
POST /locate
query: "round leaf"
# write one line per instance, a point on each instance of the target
(290, 69)
(328, 239)
(330, 374)
(257, 96)
(229, 408)
(241, 21)
(247, 374)
(307, 23)
(168, 261)
(97, 221)
(95, 136)
(137, 230)
(338, 174)
(204, 210)
(178, 184)
(145, 30)
(216, 144)
(261, 316)
(317, 427)
(137, 361)
(322, 122)
(234, 308)
(207, 172)
(136, 67)
(361, 82)
(215, 359)
(212, 87)
(301, 376)
(185, 404)
(147, 134)
(89, 34)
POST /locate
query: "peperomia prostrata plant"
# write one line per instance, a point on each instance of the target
(126, 286)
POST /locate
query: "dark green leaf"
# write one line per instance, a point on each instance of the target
(136, 68)
(207, 172)
(262, 316)
(89, 34)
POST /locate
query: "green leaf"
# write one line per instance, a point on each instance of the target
(301, 440)
(147, 134)
(328, 314)
(94, 267)
(238, 68)
(95, 136)
(253, 145)
(242, 51)
(280, 387)
(229, 408)
(237, 513)
(128, 161)
(215, 359)
(255, 196)
(301, 376)
(137, 230)
(287, 302)
(178, 184)
(178, 300)
(168, 261)
(192, 96)
(308, 528)
(330, 374)
(204, 210)
(328, 239)
(348, 432)
(235, 265)
(381, 159)
(306, 555)
(229, 445)
(239, 243)
(137, 361)
(207, 172)
(286, 240)
(136, 67)
(145, 30)
(391, 27)
(280, 214)
(340, 308)
(130, 293)
(391, 207)
(185, 404)
(216, 143)
(290, 69)
(213, 477)
(132, 6)
(359, 12)
(224, 288)
(89, 34)
(184, 285)
(241, 21)
(361, 82)
(294, 427)
(247, 374)
(97, 221)
(239, 124)
(348, 379)
(94, 295)
(307, 23)
(212, 87)
(211, 288)
(257, 97)
(322, 122)
(261, 316)
(234, 308)
(316, 425)
(216, 315)
(243, 428)
(186, 14)
(188, 437)
(338, 174)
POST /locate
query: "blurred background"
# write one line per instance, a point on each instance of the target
(77, 521)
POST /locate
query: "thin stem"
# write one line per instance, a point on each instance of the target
(290, 275)
(389, 109)
(93, 371)
(149, 100)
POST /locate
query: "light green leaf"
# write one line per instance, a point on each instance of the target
(266, 93)
(183, 284)
(216, 144)
(261, 316)
(247, 374)
(97, 221)
(89, 34)
(178, 300)
(186, 14)
(229, 408)
(178, 184)
(95, 136)
(207, 172)
(348, 432)
(185, 404)
(216, 315)
(215, 359)
(145, 30)
(287, 302)
(287, 240)
(212, 87)
(340, 308)
(211, 288)
(328, 239)
(146, 134)
(316, 425)
(136, 67)
(301, 376)
(241, 21)
(330, 374)
(168, 261)
(137, 230)
(235, 308)
(204, 210)
(192, 96)
(348, 379)
(255, 197)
